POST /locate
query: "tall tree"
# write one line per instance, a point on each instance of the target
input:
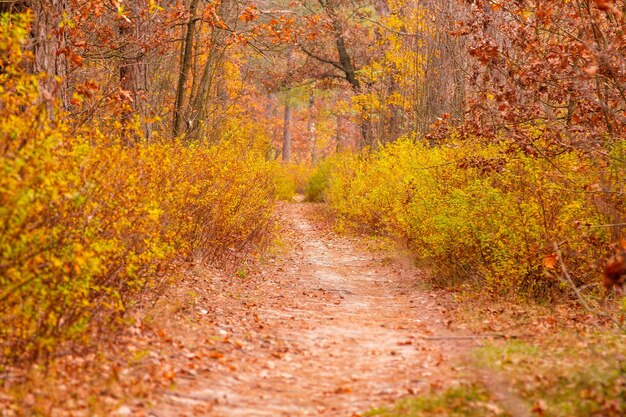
(287, 136)
(185, 68)
(132, 72)
(311, 126)
(48, 42)
(334, 38)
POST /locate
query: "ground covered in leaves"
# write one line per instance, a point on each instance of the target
(326, 328)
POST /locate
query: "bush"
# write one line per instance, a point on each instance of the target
(292, 179)
(318, 182)
(484, 214)
(88, 224)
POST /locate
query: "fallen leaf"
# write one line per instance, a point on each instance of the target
(540, 407)
(550, 261)
(343, 390)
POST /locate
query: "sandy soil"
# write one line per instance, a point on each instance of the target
(326, 329)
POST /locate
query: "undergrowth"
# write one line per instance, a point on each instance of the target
(484, 216)
(464, 400)
(549, 372)
(89, 225)
(565, 374)
(292, 179)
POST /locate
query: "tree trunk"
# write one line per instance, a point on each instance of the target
(132, 72)
(272, 128)
(199, 104)
(340, 43)
(287, 132)
(48, 40)
(311, 127)
(203, 120)
(339, 134)
(366, 131)
(349, 70)
(185, 67)
(287, 115)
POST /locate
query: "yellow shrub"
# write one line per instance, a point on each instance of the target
(481, 214)
(87, 224)
(292, 179)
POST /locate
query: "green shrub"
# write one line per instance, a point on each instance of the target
(318, 182)
(291, 179)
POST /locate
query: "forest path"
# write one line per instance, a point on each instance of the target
(330, 329)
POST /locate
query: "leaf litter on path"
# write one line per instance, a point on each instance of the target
(326, 329)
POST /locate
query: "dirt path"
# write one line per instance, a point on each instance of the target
(329, 330)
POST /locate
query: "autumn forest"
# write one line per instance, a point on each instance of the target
(334, 208)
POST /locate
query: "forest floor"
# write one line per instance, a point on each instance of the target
(326, 329)
(324, 326)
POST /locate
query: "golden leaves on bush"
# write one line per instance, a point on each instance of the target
(88, 224)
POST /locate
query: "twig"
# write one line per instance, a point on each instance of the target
(605, 225)
(581, 298)
(188, 397)
(569, 281)
(471, 337)
(331, 290)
